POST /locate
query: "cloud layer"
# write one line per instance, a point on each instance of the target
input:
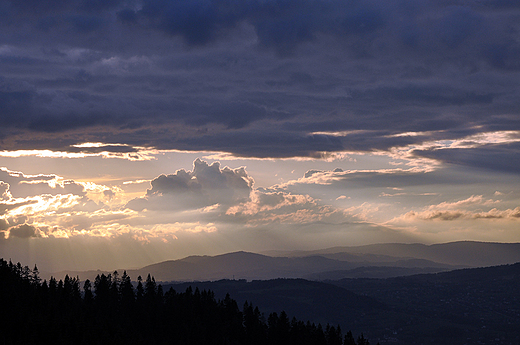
(259, 78)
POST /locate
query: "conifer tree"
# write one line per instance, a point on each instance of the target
(87, 289)
(139, 289)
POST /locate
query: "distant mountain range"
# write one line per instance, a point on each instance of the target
(371, 261)
(461, 253)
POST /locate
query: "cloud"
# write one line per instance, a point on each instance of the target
(378, 178)
(278, 207)
(205, 185)
(109, 194)
(5, 207)
(3, 225)
(83, 150)
(4, 191)
(255, 78)
(21, 185)
(23, 231)
(227, 197)
(46, 205)
(495, 157)
(471, 208)
(508, 214)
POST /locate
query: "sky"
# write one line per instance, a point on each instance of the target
(134, 132)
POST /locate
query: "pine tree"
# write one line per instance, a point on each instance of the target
(139, 289)
(87, 288)
(126, 290)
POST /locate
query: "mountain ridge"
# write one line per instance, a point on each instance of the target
(411, 258)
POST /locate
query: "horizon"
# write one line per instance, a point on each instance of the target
(139, 131)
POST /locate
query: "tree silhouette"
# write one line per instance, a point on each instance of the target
(107, 313)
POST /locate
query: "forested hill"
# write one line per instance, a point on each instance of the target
(111, 311)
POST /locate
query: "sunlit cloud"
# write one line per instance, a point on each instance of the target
(468, 142)
(425, 141)
(159, 230)
(137, 182)
(450, 215)
(341, 133)
(84, 150)
(284, 208)
(466, 209)
(322, 177)
(318, 155)
(97, 145)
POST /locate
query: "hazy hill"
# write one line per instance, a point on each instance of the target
(239, 265)
(250, 266)
(463, 253)
(375, 261)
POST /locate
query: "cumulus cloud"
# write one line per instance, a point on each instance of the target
(205, 185)
(267, 207)
(216, 195)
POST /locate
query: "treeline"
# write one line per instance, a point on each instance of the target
(111, 310)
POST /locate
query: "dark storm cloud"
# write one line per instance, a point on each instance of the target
(284, 24)
(278, 24)
(256, 78)
(276, 144)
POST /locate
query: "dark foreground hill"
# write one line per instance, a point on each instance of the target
(307, 300)
(470, 306)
